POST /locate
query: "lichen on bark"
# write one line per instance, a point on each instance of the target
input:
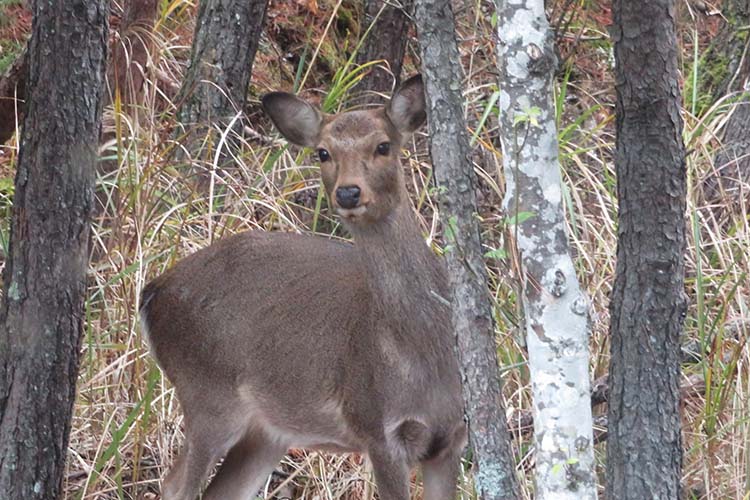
(556, 309)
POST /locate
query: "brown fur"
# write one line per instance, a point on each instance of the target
(282, 340)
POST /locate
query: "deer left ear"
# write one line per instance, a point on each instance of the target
(297, 120)
(406, 109)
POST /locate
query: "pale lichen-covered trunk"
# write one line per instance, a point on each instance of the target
(557, 320)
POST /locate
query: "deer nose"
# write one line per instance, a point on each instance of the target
(347, 196)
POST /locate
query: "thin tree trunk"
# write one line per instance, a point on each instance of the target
(726, 63)
(41, 317)
(12, 92)
(387, 40)
(648, 301)
(214, 90)
(472, 309)
(556, 309)
(728, 186)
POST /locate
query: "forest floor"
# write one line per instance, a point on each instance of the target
(127, 426)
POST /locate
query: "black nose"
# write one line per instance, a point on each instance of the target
(347, 196)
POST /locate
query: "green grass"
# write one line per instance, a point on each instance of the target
(128, 425)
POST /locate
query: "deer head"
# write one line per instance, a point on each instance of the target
(358, 151)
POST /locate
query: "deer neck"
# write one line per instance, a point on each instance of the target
(407, 280)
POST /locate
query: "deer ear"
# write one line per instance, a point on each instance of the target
(297, 120)
(406, 109)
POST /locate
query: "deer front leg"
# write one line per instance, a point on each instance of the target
(391, 474)
(246, 468)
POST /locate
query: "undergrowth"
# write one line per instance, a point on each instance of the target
(127, 426)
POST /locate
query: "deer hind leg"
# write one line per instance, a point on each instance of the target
(206, 442)
(246, 468)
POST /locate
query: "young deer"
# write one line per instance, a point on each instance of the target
(280, 340)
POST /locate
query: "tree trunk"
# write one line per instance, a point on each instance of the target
(12, 92)
(386, 40)
(472, 309)
(41, 316)
(728, 58)
(648, 301)
(556, 309)
(214, 90)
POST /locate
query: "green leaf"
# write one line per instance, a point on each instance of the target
(451, 229)
(497, 254)
(520, 218)
(530, 115)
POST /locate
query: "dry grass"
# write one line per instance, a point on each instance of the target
(127, 423)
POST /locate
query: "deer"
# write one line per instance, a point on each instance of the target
(277, 340)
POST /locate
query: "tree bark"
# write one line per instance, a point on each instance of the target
(556, 309)
(386, 40)
(214, 90)
(41, 316)
(12, 92)
(472, 309)
(728, 60)
(648, 301)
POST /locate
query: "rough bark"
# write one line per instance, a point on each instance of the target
(556, 309)
(12, 92)
(728, 187)
(44, 277)
(472, 309)
(728, 61)
(214, 90)
(648, 302)
(387, 40)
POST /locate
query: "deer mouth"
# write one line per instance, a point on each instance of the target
(352, 213)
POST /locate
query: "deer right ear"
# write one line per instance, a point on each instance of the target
(297, 120)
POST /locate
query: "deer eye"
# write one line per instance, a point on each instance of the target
(324, 155)
(383, 149)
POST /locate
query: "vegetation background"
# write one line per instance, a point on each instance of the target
(153, 211)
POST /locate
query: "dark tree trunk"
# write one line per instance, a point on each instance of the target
(648, 301)
(726, 61)
(214, 90)
(41, 318)
(12, 92)
(728, 186)
(387, 40)
(472, 310)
